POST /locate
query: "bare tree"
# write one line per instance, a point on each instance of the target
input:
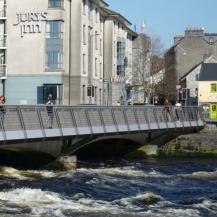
(146, 62)
(157, 47)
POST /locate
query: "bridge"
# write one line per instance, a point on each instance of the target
(80, 125)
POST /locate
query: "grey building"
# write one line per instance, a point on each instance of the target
(186, 53)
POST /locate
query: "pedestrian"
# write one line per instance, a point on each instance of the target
(178, 107)
(122, 100)
(2, 108)
(167, 107)
(156, 100)
(50, 112)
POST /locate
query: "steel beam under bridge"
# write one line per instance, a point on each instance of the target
(40, 123)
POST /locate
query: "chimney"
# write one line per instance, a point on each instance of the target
(194, 32)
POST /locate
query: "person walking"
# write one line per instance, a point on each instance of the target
(2, 108)
(178, 107)
(50, 112)
(167, 107)
(122, 100)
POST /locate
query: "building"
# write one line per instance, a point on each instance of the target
(186, 53)
(188, 91)
(59, 47)
(36, 45)
(117, 57)
(207, 88)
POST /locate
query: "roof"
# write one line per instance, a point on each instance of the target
(193, 68)
(121, 19)
(118, 16)
(208, 72)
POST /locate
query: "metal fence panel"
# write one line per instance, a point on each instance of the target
(108, 119)
(131, 119)
(95, 120)
(82, 121)
(120, 119)
(143, 123)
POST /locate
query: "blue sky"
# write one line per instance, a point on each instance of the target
(167, 18)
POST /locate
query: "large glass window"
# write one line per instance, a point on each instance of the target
(54, 45)
(56, 90)
(55, 3)
(120, 58)
(84, 7)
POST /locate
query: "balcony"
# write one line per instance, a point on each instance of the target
(3, 11)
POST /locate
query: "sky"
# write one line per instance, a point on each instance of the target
(165, 19)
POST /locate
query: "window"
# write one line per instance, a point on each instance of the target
(196, 77)
(100, 47)
(96, 68)
(84, 64)
(84, 35)
(211, 40)
(96, 15)
(55, 3)
(95, 89)
(84, 7)
(83, 94)
(119, 70)
(96, 40)
(100, 68)
(54, 45)
(101, 25)
(114, 48)
(196, 91)
(213, 88)
(100, 96)
(121, 60)
(56, 90)
(90, 10)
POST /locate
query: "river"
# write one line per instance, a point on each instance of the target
(153, 188)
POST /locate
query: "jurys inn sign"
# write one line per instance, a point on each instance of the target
(30, 22)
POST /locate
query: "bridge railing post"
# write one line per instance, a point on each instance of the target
(101, 119)
(74, 121)
(114, 119)
(137, 119)
(88, 121)
(156, 117)
(56, 110)
(38, 110)
(22, 124)
(126, 120)
(2, 127)
(146, 118)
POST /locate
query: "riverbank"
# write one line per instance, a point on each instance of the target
(200, 144)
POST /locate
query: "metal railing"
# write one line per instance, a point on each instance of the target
(43, 122)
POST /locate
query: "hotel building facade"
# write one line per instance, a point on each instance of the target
(77, 50)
